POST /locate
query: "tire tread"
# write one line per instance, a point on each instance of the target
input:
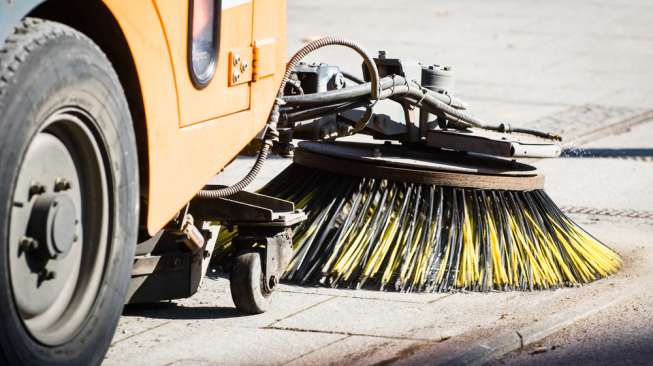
(29, 35)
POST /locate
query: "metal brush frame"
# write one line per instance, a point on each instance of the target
(423, 166)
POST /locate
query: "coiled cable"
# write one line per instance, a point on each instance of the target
(272, 134)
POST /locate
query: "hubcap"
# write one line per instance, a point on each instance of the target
(53, 225)
(59, 227)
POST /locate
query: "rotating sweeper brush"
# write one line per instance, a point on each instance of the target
(386, 218)
(434, 201)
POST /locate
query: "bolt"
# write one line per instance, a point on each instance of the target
(61, 184)
(243, 66)
(273, 282)
(46, 275)
(28, 244)
(235, 77)
(236, 59)
(35, 189)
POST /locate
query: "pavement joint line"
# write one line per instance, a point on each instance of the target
(368, 298)
(481, 352)
(521, 339)
(271, 325)
(439, 298)
(399, 338)
(141, 332)
(315, 350)
(611, 212)
(610, 129)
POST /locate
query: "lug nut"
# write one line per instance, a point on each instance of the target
(35, 189)
(28, 244)
(61, 184)
(46, 275)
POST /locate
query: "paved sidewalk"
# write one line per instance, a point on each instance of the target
(582, 68)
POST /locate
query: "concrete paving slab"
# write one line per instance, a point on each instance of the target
(453, 315)
(213, 305)
(358, 350)
(209, 342)
(516, 113)
(640, 136)
(623, 184)
(352, 316)
(386, 296)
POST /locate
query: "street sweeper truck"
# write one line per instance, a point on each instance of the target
(115, 114)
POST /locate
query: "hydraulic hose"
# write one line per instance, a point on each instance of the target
(352, 77)
(399, 88)
(272, 134)
(391, 86)
(312, 112)
(391, 83)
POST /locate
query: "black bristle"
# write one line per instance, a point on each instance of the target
(382, 234)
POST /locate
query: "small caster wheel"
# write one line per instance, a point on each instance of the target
(246, 281)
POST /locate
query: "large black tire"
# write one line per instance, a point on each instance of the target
(47, 67)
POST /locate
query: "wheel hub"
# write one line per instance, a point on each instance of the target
(52, 225)
(59, 225)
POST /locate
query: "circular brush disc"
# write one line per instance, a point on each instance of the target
(381, 217)
(443, 168)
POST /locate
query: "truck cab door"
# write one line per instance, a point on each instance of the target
(209, 43)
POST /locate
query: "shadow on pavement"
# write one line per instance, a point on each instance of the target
(606, 153)
(174, 311)
(625, 350)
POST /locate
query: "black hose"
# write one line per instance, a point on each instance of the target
(507, 128)
(341, 95)
(391, 86)
(400, 89)
(308, 113)
(331, 96)
(272, 134)
(352, 77)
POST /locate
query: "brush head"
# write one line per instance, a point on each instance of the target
(390, 218)
(415, 165)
